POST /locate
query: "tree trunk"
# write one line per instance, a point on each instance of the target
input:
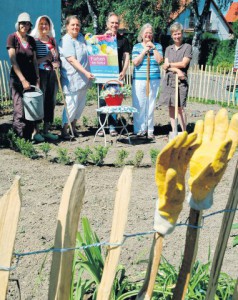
(196, 43)
(94, 17)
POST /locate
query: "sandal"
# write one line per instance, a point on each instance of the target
(141, 133)
(100, 133)
(113, 133)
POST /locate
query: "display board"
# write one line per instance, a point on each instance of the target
(103, 57)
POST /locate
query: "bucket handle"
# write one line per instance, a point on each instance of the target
(36, 89)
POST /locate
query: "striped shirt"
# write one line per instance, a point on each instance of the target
(42, 49)
(140, 72)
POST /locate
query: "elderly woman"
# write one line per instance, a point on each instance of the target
(75, 73)
(177, 59)
(47, 58)
(146, 57)
(24, 72)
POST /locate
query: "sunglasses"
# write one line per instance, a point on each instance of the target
(25, 23)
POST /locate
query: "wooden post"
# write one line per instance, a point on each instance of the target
(67, 227)
(229, 95)
(190, 253)
(152, 268)
(208, 82)
(216, 85)
(119, 221)
(234, 89)
(10, 205)
(222, 86)
(200, 83)
(204, 84)
(223, 238)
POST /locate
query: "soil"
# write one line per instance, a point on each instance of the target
(42, 183)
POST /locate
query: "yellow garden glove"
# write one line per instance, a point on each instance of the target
(171, 166)
(218, 143)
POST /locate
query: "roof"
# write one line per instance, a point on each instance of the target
(232, 14)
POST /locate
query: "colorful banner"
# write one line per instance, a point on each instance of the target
(103, 57)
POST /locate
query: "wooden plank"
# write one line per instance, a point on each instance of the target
(10, 205)
(223, 238)
(152, 268)
(67, 227)
(122, 200)
(189, 256)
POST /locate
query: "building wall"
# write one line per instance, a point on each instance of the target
(10, 9)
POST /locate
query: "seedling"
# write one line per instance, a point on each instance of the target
(98, 155)
(82, 155)
(63, 157)
(45, 147)
(85, 121)
(153, 156)
(138, 158)
(121, 156)
(57, 123)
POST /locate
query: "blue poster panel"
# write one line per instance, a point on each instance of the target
(103, 57)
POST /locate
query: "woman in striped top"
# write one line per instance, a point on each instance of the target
(47, 57)
(146, 57)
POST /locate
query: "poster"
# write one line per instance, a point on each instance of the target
(103, 57)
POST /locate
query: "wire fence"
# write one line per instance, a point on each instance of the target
(99, 244)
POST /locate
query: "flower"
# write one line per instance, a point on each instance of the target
(113, 89)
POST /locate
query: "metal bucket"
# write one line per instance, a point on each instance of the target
(33, 104)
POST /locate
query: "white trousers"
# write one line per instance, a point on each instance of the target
(144, 119)
(75, 104)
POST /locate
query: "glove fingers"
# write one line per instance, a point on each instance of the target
(221, 159)
(208, 127)
(233, 134)
(199, 127)
(179, 141)
(221, 126)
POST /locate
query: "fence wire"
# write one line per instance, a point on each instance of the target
(100, 244)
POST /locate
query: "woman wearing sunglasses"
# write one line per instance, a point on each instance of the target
(24, 72)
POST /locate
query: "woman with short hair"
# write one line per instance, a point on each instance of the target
(177, 60)
(75, 75)
(146, 57)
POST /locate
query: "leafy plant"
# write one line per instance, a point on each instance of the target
(235, 240)
(138, 158)
(63, 157)
(92, 95)
(57, 122)
(95, 122)
(98, 155)
(153, 155)
(82, 155)
(85, 121)
(45, 147)
(121, 156)
(58, 97)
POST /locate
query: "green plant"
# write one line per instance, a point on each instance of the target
(57, 123)
(235, 240)
(82, 155)
(95, 122)
(58, 97)
(63, 157)
(92, 95)
(45, 147)
(121, 156)
(153, 155)
(138, 158)
(98, 155)
(85, 121)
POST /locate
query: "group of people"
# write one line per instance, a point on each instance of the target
(35, 59)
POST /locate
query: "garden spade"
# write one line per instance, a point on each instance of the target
(65, 105)
(174, 133)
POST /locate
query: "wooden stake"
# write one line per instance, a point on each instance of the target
(10, 205)
(200, 83)
(119, 221)
(223, 238)
(67, 227)
(152, 268)
(190, 253)
(234, 89)
(208, 82)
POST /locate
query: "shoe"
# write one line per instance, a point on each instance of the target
(51, 136)
(38, 138)
(100, 133)
(113, 133)
(151, 136)
(141, 133)
(66, 136)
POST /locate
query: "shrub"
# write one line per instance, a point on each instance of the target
(138, 158)
(92, 95)
(121, 156)
(45, 147)
(82, 155)
(153, 155)
(63, 156)
(98, 155)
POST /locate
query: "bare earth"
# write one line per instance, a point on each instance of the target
(42, 183)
